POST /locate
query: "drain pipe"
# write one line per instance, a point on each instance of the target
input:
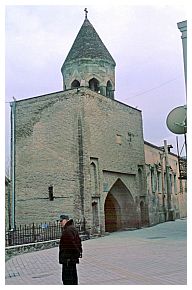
(13, 109)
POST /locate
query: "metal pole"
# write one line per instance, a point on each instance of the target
(185, 136)
(163, 185)
(9, 205)
(177, 141)
(180, 181)
(13, 107)
(168, 181)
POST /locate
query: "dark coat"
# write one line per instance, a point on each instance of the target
(70, 247)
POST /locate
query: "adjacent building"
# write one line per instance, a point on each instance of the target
(166, 184)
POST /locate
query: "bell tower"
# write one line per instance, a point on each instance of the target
(89, 63)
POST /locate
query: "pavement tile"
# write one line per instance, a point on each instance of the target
(149, 256)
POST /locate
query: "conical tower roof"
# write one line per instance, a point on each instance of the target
(88, 45)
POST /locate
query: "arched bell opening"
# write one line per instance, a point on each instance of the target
(109, 90)
(94, 85)
(75, 84)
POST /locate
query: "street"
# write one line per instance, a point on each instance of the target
(148, 256)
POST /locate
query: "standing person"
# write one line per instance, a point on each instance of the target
(70, 250)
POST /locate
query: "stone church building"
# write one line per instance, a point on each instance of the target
(80, 151)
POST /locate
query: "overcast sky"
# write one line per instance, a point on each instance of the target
(143, 40)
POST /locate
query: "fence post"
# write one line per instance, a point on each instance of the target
(10, 237)
(33, 232)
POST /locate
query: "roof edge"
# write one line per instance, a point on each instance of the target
(157, 147)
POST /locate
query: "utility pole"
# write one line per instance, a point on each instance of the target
(169, 208)
(13, 123)
(163, 185)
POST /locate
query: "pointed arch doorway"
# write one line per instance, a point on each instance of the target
(120, 208)
(112, 214)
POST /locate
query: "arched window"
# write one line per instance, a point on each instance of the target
(140, 176)
(75, 84)
(109, 89)
(93, 172)
(94, 85)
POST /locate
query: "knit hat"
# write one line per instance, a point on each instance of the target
(64, 217)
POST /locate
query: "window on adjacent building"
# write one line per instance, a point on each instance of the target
(165, 182)
(153, 181)
(171, 182)
(159, 182)
(175, 183)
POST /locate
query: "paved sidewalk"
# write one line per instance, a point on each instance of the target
(149, 256)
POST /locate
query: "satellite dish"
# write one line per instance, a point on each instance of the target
(177, 120)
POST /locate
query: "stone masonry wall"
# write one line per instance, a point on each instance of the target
(46, 154)
(113, 140)
(57, 138)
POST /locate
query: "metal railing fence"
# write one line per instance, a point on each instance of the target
(37, 233)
